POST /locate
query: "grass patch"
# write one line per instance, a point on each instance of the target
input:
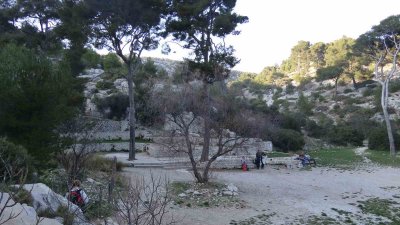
(383, 158)
(259, 219)
(98, 209)
(99, 163)
(207, 195)
(23, 196)
(383, 208)
(179, 187)
(336, 157)
(318, 220)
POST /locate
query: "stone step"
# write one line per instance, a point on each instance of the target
(166, 165)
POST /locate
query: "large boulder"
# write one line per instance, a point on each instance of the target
(21, 214)
(91, 73)
(45, 199)
(121, 85)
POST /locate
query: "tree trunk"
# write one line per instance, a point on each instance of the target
(384, 101)
(336, 84)
(196, 173)
(354, 82)
(206, 141)
(132, 119)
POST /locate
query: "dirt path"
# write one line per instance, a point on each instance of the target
(286, 195)
(361, 152)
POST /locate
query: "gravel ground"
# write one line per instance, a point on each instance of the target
(287, 195)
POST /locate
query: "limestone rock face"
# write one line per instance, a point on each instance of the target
(25, 215)
(121, 85)
(91, 73)
(46, 199)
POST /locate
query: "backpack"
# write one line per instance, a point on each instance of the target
(76, 198)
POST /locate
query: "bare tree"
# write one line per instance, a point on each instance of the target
(77, 145)
(144, 203)
(382, 44)
(183, 111)
(13, 170)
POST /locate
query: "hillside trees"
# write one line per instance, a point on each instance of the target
(7, 19)
(39, 18)
(317, 54)
(330, 72)
(36, 96)
(127, 28)
(269, 75)
(338, 58)
(299, 59)
(74, 26)
(382, 44)
(202, 26)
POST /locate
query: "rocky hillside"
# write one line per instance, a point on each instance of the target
(314, 101)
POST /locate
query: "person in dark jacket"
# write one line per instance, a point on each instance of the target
(259, 161)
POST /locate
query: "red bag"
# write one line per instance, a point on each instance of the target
(244, 167)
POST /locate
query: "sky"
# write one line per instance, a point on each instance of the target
(275, 26)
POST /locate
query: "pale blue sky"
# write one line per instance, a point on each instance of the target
(275, 26)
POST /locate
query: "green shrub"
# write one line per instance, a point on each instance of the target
(378, 139)
(36, 96)
(290, 89)
(52, 179)
(14, 157)
(99, 209)
(113, 67)
(350, 109)
(91, 59)
(345, 135)
(313, 129)
(68, 217)
(368, 92)
(317, 96)
(351, 101)
(104, 85)
(366, 83)
(293, 121)
(98, 163)
(361, 122)
(23, 197)
(287, 140)
(347, 90)
(114, 106)
(304, 105)
(111, 61)
(341, 97)
(377, 96)
(281, 103)
(394, 86)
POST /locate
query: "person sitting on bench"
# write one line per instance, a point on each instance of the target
(305, 159)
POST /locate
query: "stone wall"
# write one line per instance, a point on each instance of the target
(234, 162)
(117, 146)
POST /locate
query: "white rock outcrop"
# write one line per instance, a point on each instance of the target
(121, 85)
(46, 199)
(91, 73)
(21, 214)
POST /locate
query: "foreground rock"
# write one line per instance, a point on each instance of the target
(21, 214)
(46, 200)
